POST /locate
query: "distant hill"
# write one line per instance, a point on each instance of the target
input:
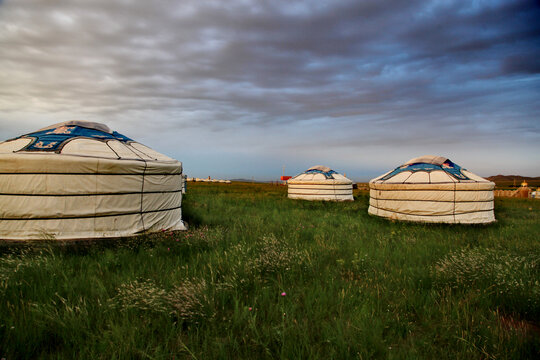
(496, 178)
(513, 181)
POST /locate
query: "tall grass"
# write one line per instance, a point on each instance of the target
(258, 275)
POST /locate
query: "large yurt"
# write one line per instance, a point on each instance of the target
(432, 189)
(320, 183)
(80, 180)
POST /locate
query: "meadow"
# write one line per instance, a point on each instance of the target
(260, 276)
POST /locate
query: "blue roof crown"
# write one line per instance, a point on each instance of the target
(447, 166)
(53, 139)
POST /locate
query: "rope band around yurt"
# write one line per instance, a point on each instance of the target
(433, 215)
(92, 216)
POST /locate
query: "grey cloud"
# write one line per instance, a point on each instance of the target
(401, 70)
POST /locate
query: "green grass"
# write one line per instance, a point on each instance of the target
(356, 286)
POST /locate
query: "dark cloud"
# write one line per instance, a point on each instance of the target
(439, 72)
(522, 64)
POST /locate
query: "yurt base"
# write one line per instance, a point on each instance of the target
(48, 239)
(311, 197)
(442, 219)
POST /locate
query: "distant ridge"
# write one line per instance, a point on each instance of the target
(512, 177)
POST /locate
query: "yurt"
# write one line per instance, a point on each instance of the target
(320, 183)
(80, 180)
(432, 189)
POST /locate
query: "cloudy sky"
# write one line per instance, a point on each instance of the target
(241, 88)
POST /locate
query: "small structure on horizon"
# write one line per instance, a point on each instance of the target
(522, 192)
(209, 179)
(283, 180)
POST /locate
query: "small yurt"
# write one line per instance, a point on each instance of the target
(320, 183)
(80, 180)
(432, 189)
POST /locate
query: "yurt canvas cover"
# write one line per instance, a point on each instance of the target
(81, 180)
(432, 189)
(320, 183)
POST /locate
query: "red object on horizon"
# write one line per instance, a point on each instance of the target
(285, 178)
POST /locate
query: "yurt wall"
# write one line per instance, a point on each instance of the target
(80, 180)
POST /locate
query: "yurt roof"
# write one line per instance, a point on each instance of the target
(319, 169)
(430, 164)
(319, 173)
(428, 159)
(81, 123)
(81, 138)
(322, 168)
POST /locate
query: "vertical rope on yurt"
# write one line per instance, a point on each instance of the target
(142, 195)
(377, 193)
(454, 213)
(142, 185)
(411, 174)
(376, 196)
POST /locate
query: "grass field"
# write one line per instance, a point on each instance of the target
(261, 276)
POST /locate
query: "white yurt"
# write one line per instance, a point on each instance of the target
(80, 180)
(320, 183)
(432, 189)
